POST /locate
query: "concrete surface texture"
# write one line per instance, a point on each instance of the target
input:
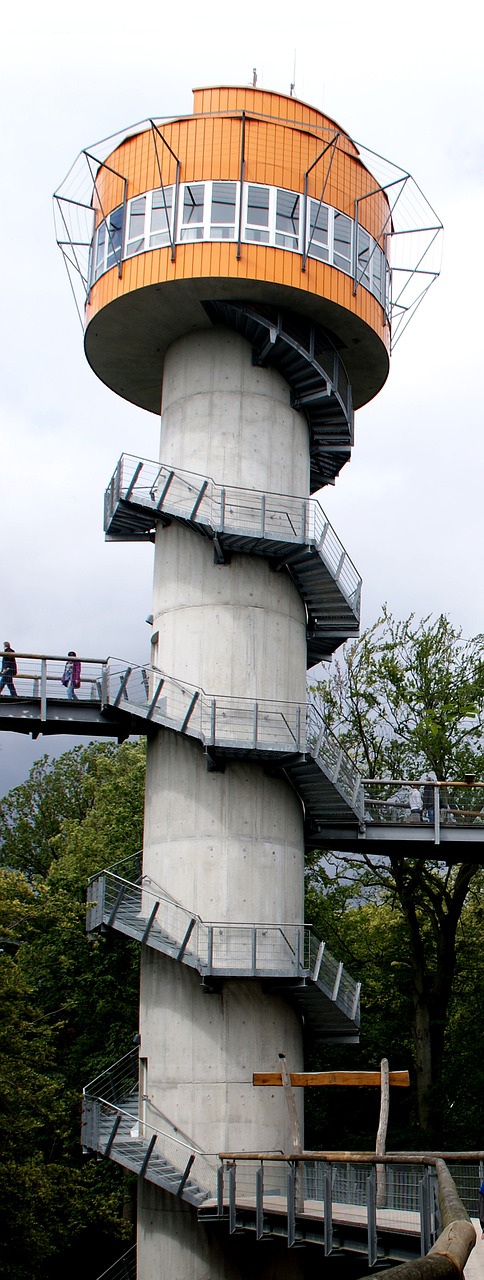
(228, 844)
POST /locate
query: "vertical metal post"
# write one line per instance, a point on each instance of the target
(232, 1221)
(371, 1216)
(212, 722)
(437, 815)
(241, 184)
(175, 209)
(304, 223)
(259, 1202)
(43, 688)
(254, 950)
(328, 1209)
(291, 1204)
(220, 1190)
(298, 949)
(262, 514)
(424, 1209)
(255, 727)
(319, 958)
(104, 685)
(222, 510)
(209, 948)
(298, 725)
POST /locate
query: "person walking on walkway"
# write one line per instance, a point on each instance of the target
(481, 1209)
(414, 804)
(71, 678)
(9, 670)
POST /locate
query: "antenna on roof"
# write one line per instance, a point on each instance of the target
(293, 85)
(254, 77)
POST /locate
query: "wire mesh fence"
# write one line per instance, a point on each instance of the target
(226, 509)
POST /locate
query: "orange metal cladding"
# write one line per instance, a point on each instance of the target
(283, 138)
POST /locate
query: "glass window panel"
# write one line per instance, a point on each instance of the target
(318, 231)
(136, 226)
(363, 258)
(161, 210)
(100, 249)
(192, 212)
(342, 242)
(223, 203)
(258, 206)
(377, 273)
(287, 219)
(193, 204)
(257, 214)
(115, 229)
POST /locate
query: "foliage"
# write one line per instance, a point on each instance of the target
(366, 928)
(71, 1006)
(58, 797)
(409, 697)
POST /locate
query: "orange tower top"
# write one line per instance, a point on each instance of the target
(254, 199)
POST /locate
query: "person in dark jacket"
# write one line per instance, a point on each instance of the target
(9, 670)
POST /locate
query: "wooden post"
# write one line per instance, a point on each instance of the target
(381, 1137)
(295, 1130)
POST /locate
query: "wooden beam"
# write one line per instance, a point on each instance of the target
(317, 1078)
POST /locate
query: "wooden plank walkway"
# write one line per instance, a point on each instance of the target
(475, 1266)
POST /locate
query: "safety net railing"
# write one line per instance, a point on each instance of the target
(116, 1117)
(227, 509)
(413, 1195)
(332, 977)
(290, 951)
(44, 676)
(425, 803)
(241, 724)
(125, 1268)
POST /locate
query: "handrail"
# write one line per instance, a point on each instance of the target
(283, 518)
(449, 1254)
(121, 1075)
(310, 1179)
(286, 950)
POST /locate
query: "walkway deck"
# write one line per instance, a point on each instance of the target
(474, 1269)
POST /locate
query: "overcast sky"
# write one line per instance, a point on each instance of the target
(404, 80)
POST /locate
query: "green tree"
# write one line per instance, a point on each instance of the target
(32, 814)
(73, 1006)
(409, 697)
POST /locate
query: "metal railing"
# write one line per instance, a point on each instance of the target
(330, 1191)
(123, 1269)
(39, 676)
(327, 1190)
(258, 725)
(441, 804)
(226, 509)
(115, 1124)
(229, 950)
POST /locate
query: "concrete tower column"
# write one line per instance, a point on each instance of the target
(227, 845)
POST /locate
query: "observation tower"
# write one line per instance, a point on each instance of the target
(235, 278)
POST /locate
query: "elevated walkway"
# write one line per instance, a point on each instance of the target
(328, 1199)
(305, 356)
(289, 959)
(292, 533)
(111, 1127)
(342, 810)
(288, 737)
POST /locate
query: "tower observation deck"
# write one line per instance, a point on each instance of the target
(238, 278)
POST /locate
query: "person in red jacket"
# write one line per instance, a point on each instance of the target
(71, 678)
